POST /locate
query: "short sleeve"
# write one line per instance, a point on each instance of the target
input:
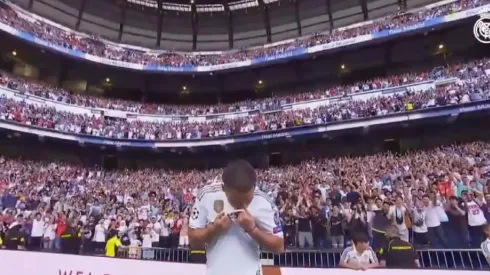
(344, 257)
(268, 218)
(198, 217)
(485, 247)
(373, 255)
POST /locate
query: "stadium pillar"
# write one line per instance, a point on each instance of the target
(159, 23)
(267, 21)
(194, 22)
(402, 4)
(146, 88)
(80, 14)
(298, 71)
(388, 54)
(230, 26)
(221, 84)
(297, 16)
(364, 9)
(31, 3)
(121, 24)
(65, 67)
(329, 12)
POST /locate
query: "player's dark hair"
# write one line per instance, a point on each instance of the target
(239, 175)
(360, 237)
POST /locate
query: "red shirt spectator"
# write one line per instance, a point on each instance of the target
(61, 226)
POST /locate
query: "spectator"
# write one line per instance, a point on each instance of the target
(433, 221)
(37, 232)
(49, 234)
(337, 227)
(100, 232)
(289, 223)
(419, 227)
(359, 256)
(304, 228)
(319, 227)
(60, 228)
(184, 225)
(476, 218)
(399, 216)
(457, 230)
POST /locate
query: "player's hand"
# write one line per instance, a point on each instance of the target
(246, 220)
(222, 222)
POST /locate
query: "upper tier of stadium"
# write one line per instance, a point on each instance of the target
(15, 20)
(458, 84)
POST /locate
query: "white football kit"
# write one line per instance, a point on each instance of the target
(233, 252)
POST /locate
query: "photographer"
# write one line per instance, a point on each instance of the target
(397, 253)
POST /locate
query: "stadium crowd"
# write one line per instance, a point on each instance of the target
(469, 70)
(270, 104)
(91, 45)
(438, 197)
(472, 85)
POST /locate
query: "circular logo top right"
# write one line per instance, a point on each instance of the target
(481, 29)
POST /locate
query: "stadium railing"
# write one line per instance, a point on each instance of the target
(470, 259)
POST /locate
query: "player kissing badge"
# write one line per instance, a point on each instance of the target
(218, 206)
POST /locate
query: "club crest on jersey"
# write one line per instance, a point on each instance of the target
(219, 205)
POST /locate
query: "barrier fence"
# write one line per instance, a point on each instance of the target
(429, 258)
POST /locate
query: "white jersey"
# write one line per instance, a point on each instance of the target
(485, 248)
(475, 215)
(350, 255)
(234, 252)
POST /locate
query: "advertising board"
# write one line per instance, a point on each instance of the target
(33, 263)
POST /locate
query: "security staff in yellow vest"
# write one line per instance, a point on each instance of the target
(397, 253)
(113, 244)
(71, 239)
(14, 238)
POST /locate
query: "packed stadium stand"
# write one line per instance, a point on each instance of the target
(114, 114)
